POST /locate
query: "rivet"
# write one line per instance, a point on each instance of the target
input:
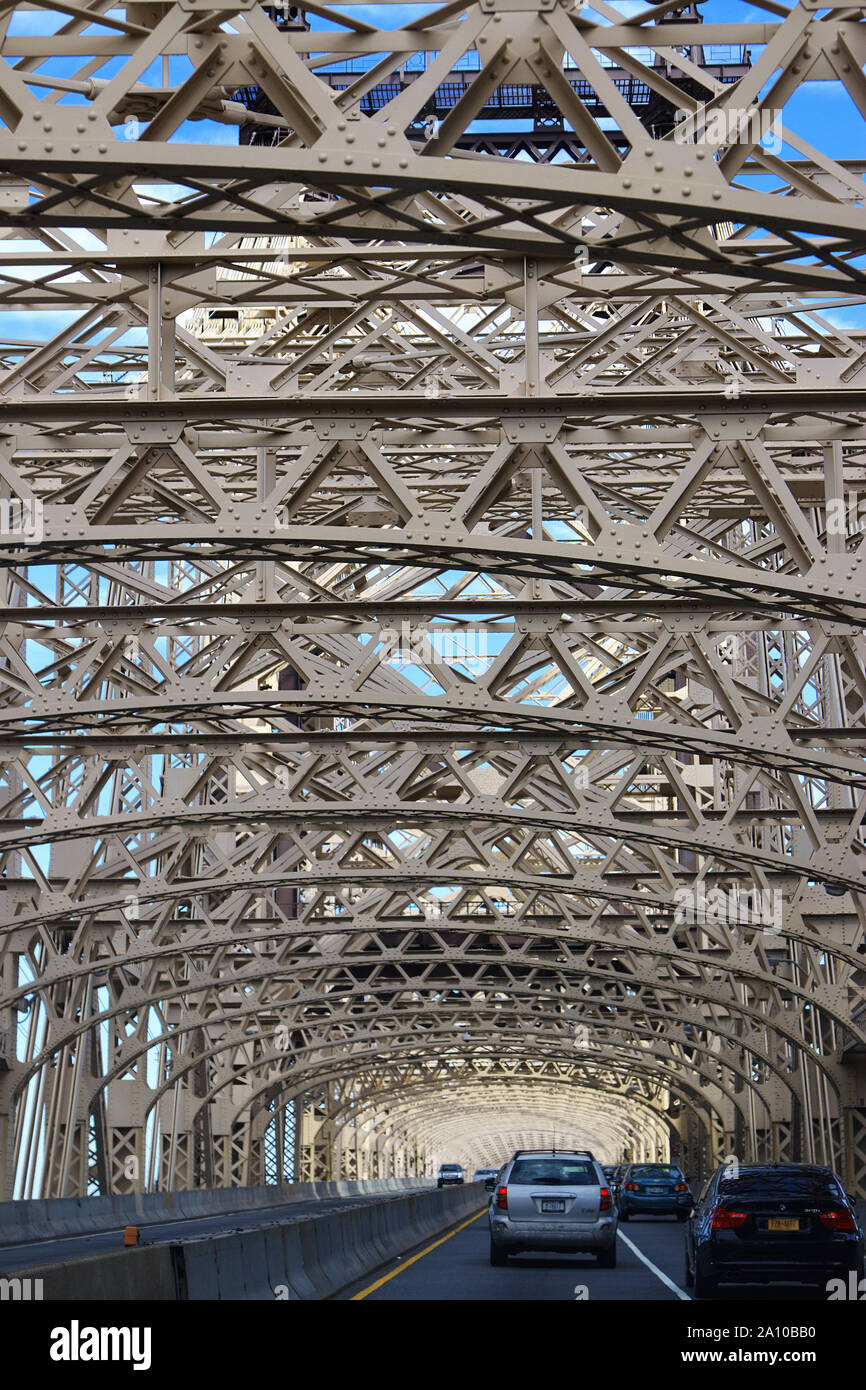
(658, 168)
(657, 188)
(404, 164)
(626, 183)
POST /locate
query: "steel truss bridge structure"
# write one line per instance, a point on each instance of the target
(433, 564)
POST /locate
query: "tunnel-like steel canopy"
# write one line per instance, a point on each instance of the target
(432, 634)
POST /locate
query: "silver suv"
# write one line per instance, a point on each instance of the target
(449, 1173)
(552, 1201)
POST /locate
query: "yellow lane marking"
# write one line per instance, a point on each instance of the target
(421, 1253)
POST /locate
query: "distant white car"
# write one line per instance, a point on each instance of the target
(485, 1175)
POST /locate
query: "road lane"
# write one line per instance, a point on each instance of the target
(458, 1269)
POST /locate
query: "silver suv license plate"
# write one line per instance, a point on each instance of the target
(551, 1205)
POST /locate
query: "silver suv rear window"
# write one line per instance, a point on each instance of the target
(553, 1172)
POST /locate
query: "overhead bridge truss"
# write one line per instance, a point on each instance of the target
(433, 591)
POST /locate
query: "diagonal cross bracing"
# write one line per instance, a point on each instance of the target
(432, 591)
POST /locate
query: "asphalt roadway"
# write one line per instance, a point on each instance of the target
(456, 1268)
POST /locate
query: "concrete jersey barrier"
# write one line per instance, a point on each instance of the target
(22, 1222)
(310, 1258)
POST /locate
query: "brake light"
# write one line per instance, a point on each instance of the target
(681, 1187)
(604, 1205)
(632, 1187)
(841, 1220)
(502, 1198)
(724, 1220)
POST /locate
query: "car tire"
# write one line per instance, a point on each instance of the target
(498, 1256)
(690, 1278)
(704, 1285)
(607, 1257)
(682, 1216)
(623, 1216)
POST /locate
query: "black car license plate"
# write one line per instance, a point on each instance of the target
(553, 1204)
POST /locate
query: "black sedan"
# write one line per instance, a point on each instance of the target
(772, 1223)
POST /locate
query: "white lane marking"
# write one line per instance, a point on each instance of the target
(659, 1273)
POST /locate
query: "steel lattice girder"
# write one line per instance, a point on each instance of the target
(433, 591)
